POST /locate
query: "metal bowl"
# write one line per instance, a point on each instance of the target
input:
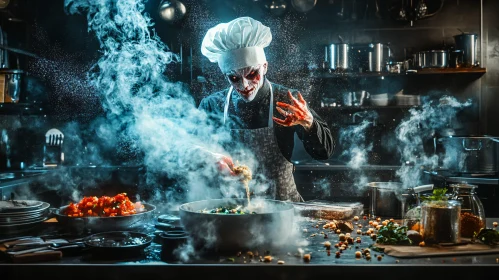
(271, 227)
(102, 224)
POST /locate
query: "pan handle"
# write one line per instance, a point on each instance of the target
(478, 148)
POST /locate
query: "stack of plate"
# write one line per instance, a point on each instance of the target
(18, 216)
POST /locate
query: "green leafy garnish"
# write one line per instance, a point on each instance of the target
(393, 235)
(487, 236)
(438, 195)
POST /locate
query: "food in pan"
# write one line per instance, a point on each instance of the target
(229, 209)
(246, 176)
(104, 206)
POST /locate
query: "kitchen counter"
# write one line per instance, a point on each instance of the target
(149, 264)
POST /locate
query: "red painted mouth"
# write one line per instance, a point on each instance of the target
(245, 92)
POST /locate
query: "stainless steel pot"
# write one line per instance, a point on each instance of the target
(379, 57)
(269, 228)
(469, 154)
(468, 44)
(392, 200)
(338, 56)
(436, 59)
(10, 85)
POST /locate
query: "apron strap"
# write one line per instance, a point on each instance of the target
(271, 105)
(226, 106)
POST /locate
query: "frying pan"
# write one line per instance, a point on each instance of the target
(271, 227)
(102, 224)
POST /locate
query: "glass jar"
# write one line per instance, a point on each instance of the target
(440, 221)
(472, 212)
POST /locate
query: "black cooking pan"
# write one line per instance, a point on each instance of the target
(102, 224)
(271, 227)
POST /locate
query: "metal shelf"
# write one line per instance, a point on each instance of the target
(418, 72)
(21, 109)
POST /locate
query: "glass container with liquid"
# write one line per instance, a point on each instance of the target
(472, 212)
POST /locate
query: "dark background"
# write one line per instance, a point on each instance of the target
(58, 86)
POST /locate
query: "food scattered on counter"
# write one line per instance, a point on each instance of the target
(280, 262)
(267, 259)
(422, 244)
(494, 224)
(104, 206)
(306, 258)
(344, 226)
(327, 244)
(379, 257)
(358, 255)
(356, 218)
(342, 237)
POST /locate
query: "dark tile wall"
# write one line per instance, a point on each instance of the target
(298, 45)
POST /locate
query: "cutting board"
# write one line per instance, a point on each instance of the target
(437, 250)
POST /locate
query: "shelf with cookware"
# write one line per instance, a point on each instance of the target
(22, 109)
(428, 71)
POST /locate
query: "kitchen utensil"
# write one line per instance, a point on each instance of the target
(170, 242)
(322, 209)
(436, 59)
(102, 224)
(472, 212)
(10, 85)
(338, 56)
(379, 56)
(379, 99)
(9, 206)
(269, 227)
(469, 154)
(467, 43)
(277, 7)
(440, 221)
(360, 97)
(303, 6)
(386, 199)
(18, 51)
(117, 243)
(171, 11)
(52, 150)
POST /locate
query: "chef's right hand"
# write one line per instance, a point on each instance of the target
(225, 165)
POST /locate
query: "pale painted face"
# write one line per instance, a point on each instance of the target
(247, 81)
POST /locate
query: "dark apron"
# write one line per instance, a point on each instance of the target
(274, 167)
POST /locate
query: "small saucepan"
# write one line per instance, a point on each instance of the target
(392, 200)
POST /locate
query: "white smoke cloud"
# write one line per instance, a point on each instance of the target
(412, 132)
(156, 116)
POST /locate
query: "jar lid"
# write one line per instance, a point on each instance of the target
(463, 185)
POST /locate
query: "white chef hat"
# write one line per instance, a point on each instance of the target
(237, 44)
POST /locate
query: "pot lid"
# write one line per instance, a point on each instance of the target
(463, 185)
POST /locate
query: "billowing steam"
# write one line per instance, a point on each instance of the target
(412, 133)
(354, 139)
(153, 114)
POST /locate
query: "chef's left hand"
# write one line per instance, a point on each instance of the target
(296, 113)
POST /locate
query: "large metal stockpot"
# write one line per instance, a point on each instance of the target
(338, 56)
(270, 227)
(469, 154)
(468, 44)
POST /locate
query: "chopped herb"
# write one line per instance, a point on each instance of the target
(393, 235)
(487, 236)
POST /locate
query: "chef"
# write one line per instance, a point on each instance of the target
(261, 115)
